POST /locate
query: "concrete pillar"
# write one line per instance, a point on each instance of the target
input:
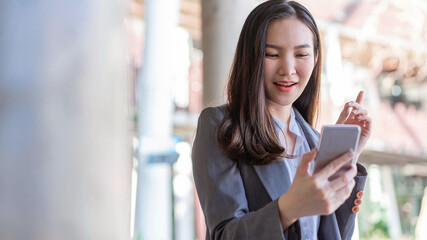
(65, 159)
(153, 213)
(222, 21)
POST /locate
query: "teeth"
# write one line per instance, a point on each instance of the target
(285, 84)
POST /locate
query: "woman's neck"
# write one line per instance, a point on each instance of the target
(279, 112)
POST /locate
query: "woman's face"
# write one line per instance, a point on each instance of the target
(289, 60)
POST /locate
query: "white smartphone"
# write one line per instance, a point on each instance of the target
(336, 140)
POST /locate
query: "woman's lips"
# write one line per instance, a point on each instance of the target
(285, 86)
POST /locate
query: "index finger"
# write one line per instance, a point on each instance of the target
(332, 167)
(359, 97)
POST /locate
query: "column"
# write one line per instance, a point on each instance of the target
(154, 205)
(222, 21)
(65, 162)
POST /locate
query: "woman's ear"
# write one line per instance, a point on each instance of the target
(315, 59)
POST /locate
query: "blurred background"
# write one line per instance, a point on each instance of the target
(99, 104)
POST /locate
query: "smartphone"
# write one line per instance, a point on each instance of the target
(336, 140)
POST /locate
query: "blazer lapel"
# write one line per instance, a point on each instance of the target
(275, 178)
(309, 132)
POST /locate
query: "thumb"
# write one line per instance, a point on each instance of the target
(305, 162)
(344, 114)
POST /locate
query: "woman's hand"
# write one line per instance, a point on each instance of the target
(354, 113)
(315, 194)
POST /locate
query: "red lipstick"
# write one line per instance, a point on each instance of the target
(285, 86)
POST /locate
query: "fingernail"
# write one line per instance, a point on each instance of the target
(350, 153)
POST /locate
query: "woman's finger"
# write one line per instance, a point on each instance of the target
(360, 111)
(344, 113)
(338, 197)
(344, 193)
(341, 195)
(366, 119)
(332, 167)
(360, 97)
(305, 162)
(344, 179)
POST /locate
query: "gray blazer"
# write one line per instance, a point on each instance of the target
(239, 201)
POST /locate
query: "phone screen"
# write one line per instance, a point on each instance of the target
(336, 140)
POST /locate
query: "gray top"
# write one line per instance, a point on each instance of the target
(239, 201)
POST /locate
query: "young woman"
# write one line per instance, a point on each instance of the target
(252, 162)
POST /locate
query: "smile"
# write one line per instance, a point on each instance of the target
(285, 86)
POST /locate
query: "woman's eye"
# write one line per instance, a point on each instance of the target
(271, 55)
(302, 55)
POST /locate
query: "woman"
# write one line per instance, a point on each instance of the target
(252, 162)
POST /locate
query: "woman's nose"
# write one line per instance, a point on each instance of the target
(287, 67)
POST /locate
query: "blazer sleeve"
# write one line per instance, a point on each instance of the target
(221, 191)
(345, 216)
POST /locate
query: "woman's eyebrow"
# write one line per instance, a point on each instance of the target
(305, 45)
(272, 46)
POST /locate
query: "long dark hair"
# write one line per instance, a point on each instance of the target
(248, 132)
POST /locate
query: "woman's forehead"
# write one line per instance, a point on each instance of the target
(289, 32)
